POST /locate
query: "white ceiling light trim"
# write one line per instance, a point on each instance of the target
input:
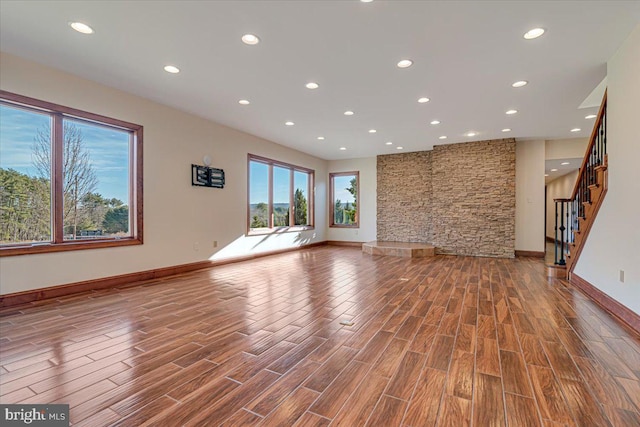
(312, 85)
(250, 39)
(289, 123)
(244, 102)
(534, 33)
(321, 138)
(435, 122)
(590, 116)
(511, 112)
(576, 130)
(171, 69)
(405, 63)
(520, 83)
(81, 27)
(349, 113)
(423, 100)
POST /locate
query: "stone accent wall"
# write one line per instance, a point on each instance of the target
(474, 198)
(404, 197)
(459, 197)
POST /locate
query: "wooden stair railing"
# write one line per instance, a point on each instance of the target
(588, 192)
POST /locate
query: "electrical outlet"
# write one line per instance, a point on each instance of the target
(215, 243)
(621, 276)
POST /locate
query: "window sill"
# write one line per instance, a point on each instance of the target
(279, 230)
(43, 248)
(344, 226)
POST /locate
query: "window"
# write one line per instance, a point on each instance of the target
(68, 179)
(280, 195)
(344, 199)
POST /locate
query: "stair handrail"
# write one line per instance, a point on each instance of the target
(592, 140)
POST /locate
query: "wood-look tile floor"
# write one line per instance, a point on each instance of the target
(448, 341)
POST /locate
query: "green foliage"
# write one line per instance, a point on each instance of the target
(25, 207)
(260, 218)
(300, 208)
(116, 220)
(280, 217)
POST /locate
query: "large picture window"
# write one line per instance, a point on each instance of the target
(68, 179)
(344, 199)
(280, 195)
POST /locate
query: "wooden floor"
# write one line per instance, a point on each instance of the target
(448, 341)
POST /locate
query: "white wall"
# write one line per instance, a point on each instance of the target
(614, 241)
(367, 204)
(560, 188)
(530, 195)
(176, 215)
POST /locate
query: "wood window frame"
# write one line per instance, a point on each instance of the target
(332, 223)
(270, 216)
(57, 243)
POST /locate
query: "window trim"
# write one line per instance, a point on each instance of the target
(332, 223)
(58, 244)
(310, 200)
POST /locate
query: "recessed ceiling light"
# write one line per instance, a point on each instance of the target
(510, 112)
(171, 69)
(575, 130)
(443, 137)
(534, 33)
(388, 143)
(244, 102)
(506, 130)
(471, 134)
(81, 28)
(546, 174)
(405, 63)
(348, 113)
(565, 163)
(321, 138)
(343, 148)
(372, 131)
(554, 170)
(289, 123)
(520, 83)
(423, 100)
(250, 39)
(312, 85)
(366, 1)
(399, 148)
(590, 116)
(435, 122)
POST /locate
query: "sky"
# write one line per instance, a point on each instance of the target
(108, 149)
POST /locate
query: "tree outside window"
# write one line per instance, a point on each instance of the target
(344, 199)
(280, 195)
(66, 178)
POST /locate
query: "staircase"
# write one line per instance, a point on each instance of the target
(576, 215)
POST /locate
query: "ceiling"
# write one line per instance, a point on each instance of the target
(465, 57)
(560, 169)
